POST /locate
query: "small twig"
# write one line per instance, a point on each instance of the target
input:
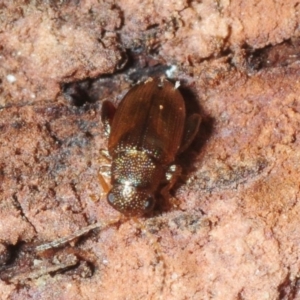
(71, 261)
(64, 240)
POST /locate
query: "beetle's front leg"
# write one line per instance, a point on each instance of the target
(104, 172)
(107, 114)
(172, 174)
(104, 184)
(104, 156)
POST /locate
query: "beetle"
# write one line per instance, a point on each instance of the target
(145, 134)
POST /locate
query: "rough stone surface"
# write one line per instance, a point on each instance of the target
(234, 231)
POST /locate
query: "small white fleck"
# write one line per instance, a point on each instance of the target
(69, 285)
(149, 79)
(170, 72)
(177, 85)
(127, 183)
(37, 262)
(32, 96)
(161, 107)
(11, 78)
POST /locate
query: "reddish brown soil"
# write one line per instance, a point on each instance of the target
(234, 233)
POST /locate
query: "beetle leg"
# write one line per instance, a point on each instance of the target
(172, 175)
(191, 128)
(105, 163)
(104, 171)
(107, 114)
(105, 154)
(105, 185)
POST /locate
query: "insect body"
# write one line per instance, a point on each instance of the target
(146, 132)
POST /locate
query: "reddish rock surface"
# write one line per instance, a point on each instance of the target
(234, 233)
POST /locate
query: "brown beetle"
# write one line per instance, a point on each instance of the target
(146, 132)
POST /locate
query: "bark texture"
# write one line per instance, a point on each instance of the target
(234, 231)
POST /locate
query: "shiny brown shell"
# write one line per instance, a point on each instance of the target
(150, 118)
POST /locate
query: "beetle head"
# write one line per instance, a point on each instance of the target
(130, 200)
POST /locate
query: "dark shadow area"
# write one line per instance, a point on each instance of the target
(16, 257)
(21, 267)
(187, 159)
(7, 255)
(12, 254)
(289, 289)
(138, 65)
(76, 93)
(273, 56)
